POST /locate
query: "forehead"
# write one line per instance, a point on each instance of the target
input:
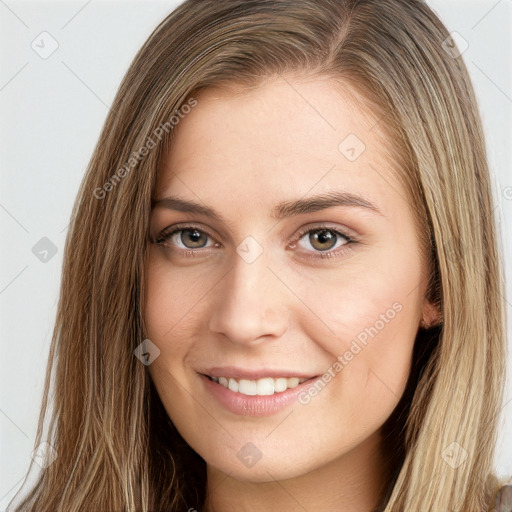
(285, 137)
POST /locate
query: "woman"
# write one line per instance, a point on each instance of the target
(281, 287)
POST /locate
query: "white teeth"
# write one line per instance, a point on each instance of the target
(265, 386)
(233, 384)
(261, 387)
(247, 387)
(293, 382)
(280, 384)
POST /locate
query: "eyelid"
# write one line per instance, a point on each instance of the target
(167, 232)
(345, 232)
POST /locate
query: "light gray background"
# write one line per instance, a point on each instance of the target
(52, 111)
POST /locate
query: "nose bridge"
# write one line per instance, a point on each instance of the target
(250, 303)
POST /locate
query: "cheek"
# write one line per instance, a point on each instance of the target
(174, 301)
(172, 308)
(372, 316)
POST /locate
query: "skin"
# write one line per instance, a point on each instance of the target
(241, 154)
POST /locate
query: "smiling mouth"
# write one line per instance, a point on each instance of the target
(260, 387)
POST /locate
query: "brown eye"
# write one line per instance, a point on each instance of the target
(192, 238)
(322, 240)
(184, 238)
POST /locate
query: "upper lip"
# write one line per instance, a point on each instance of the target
(235, 372)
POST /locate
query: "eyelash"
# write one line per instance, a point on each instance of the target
(169, 232)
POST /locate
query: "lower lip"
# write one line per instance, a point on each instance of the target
(255, 405)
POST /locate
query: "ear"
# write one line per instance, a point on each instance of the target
(431, 315)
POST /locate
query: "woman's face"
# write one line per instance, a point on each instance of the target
(300, 261)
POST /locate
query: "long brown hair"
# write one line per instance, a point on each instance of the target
(117, 449)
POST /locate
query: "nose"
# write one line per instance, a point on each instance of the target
(250, 304)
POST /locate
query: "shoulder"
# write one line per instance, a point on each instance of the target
(503, 499)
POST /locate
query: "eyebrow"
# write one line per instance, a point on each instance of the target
(282, 210)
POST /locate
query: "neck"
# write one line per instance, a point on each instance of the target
(356, 481)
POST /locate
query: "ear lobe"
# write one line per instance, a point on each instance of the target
(431, 316)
